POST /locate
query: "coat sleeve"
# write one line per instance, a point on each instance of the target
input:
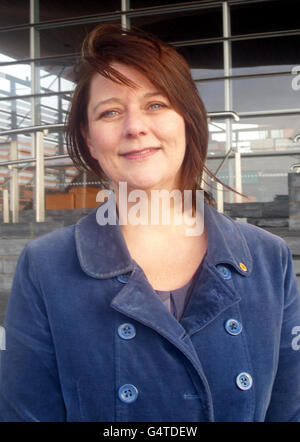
(285, 400)
(29, 382)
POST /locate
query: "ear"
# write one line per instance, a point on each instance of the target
(87, 139)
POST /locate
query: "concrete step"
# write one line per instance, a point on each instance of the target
(272, 209)
(12, 246)
(269, 222)
(50, 215)
(29, 230)
(294, 244)
(8, 264)
(296, 263)
(5, 283)
(4, 295)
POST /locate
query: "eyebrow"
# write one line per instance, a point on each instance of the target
(118, 100)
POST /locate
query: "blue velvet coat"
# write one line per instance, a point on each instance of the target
(88, 339)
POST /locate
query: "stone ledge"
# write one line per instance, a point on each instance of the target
(12, 247)
(28, 230)
(269, 222)
(8, 264)
(6, 282)
(272, 209)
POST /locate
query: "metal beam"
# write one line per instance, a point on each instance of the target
(30, 129)
(125, 20)
(19, 163)
(5, 206)
(262, 154)
(40, 181)
(14, 183)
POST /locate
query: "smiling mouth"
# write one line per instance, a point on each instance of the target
(140, 154)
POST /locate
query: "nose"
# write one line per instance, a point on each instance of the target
(135, 124)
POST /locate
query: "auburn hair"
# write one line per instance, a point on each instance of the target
(167, 70)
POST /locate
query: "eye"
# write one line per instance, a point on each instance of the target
(109, 114)
(157, 106)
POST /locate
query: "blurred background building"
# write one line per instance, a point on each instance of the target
(245, 59)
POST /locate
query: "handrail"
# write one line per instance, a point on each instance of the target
(295, 166)
(32, 160)
(223, 114)
(230, 151)
(30, 129)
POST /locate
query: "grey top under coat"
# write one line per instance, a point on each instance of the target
(177, 300)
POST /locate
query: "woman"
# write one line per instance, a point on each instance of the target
(147, 321)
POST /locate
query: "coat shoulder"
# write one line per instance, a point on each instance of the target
(52, 249)
(53, 240)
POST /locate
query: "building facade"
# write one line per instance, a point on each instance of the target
(243, 56)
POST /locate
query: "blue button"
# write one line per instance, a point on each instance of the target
(123, 278)
(244, 381)
(128, 393)
(126, 331)
(233, 327)
(224, 271)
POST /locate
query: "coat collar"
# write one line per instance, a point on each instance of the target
(103, 253)
(226, 242)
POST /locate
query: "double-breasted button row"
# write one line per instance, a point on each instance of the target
(244, 381)
(128, 393)
(126, 331)
(225, 272)
(233, 326)
(123, 278)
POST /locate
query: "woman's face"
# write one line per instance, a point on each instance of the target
(134, 133)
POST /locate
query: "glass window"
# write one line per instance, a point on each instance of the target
(4, 155)
(266, 178)
(183, 25)
(264, 16)
(57, 74)
(147, 3)
(54, 10)
(15, 44)
(54, 109)
(14, 13)
(226, 175)
(265, 55)
(14, 81)
(14, 78)
(265, 93)
(64, 40)
(15, 113)
(25, 173)
(217, 137)
(50, 111)
(205, 60)
(258, 134)
(212, 94)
